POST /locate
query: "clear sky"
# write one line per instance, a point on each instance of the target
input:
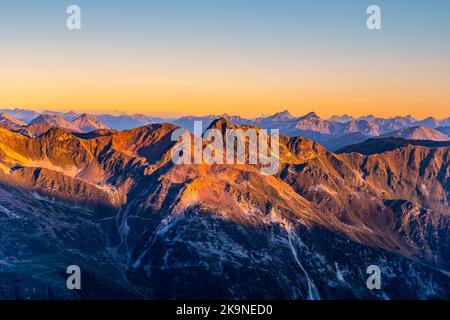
(245, 57)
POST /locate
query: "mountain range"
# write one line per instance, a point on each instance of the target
(333, 133)
(141, 227)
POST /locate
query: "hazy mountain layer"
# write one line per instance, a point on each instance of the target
(336, 132)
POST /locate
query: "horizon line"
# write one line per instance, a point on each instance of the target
(170, 115)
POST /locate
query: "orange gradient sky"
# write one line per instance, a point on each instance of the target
(228, 63)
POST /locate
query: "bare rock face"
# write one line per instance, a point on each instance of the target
(312, 122)
(140, 226)
(45, 122)
(87, 123)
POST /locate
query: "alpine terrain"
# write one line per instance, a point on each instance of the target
(141, 227)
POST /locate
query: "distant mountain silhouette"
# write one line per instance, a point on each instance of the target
(380, 145)
(417, 133)
(88, 123)
(311, 125)
(21, 114)
(45, 122)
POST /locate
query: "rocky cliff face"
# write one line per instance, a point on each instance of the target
(9, 123)
(88, 123)
(141, 227)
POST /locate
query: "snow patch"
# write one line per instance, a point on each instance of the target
(424, 190)
(41, 198)
(313, 293)
(8, 213)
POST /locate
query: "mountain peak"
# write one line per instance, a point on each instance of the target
(283, 115)
(367, 117)
(57, 133)
(311, 115)
(83, 115)
(312, 122)
(46, 117)
(88, 123)
(221, 124)
(45, 122)
(341, 118)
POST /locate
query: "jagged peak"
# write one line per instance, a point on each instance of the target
(46, 117)
(285, 114)
(88, 123)
(221, 120)
(341, 118)
(221, 124)
(310, 115)
(58, 133)
(83, 116)
(86, 117)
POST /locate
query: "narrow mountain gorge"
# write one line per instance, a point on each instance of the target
(140, 226)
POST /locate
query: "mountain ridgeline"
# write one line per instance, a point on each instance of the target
(333, 133)
(141, 227)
